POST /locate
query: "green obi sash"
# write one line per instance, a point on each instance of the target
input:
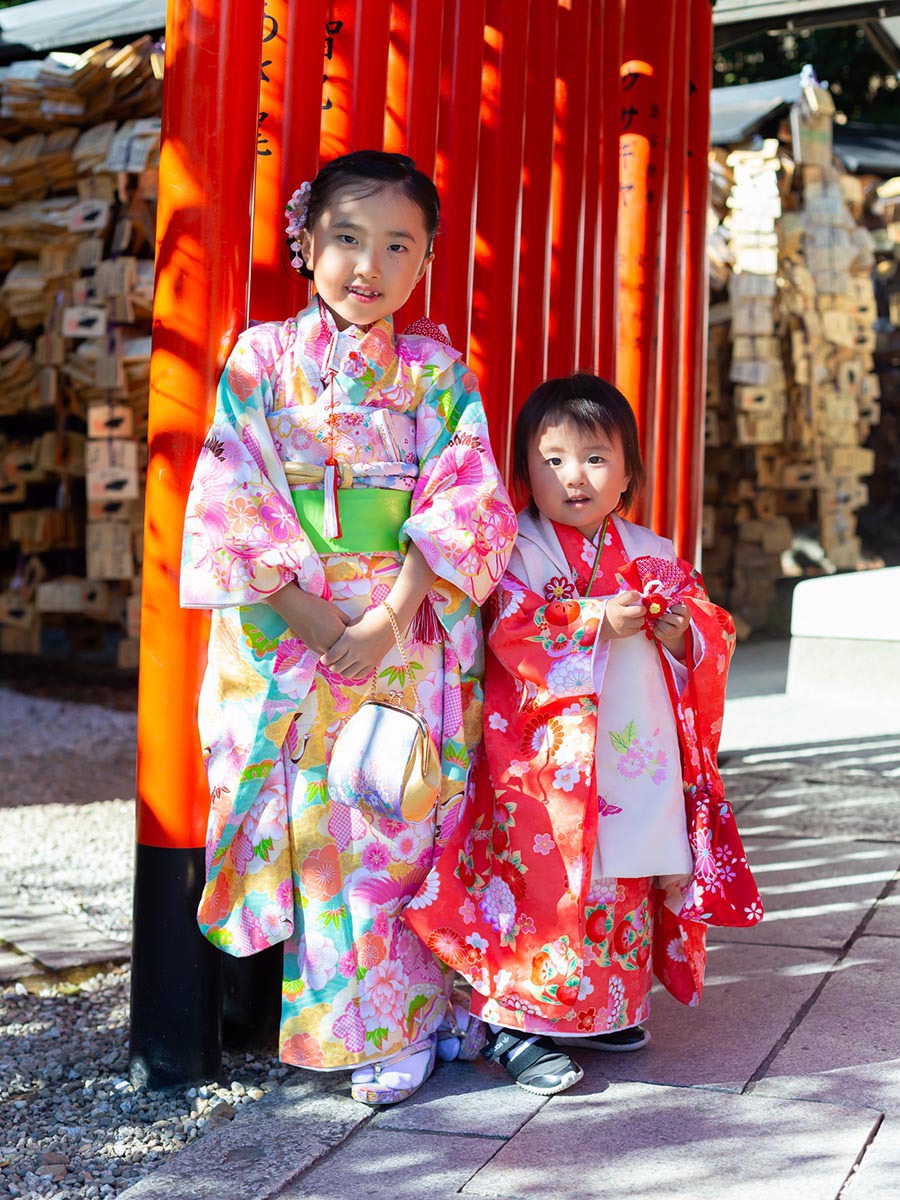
(371, 519)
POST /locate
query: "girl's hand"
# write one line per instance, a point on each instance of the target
(361, 646)
(671, 628)
(317, 623)
(624, 616)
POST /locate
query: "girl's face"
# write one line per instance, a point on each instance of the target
(577, 476)
(367, 253)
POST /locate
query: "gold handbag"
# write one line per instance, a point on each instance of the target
(384, 757)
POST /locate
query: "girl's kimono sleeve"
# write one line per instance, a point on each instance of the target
(242, 539)
(548, 646)
(461, 518)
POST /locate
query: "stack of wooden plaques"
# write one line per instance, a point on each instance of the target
(881, 207)
(83, 89)
(792, 395)
(77, 224)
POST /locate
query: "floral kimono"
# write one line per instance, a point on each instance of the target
(284, 862)
(597, 844)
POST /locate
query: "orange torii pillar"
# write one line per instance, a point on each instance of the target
(207, 159)
(662, 513)
(643, 138)
(695, 298)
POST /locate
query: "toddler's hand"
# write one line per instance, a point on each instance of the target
(671, 627)
(624, 616)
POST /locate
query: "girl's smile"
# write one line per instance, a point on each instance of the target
(367, 252)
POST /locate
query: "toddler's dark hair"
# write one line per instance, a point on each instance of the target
(589, 403)
(378, 169)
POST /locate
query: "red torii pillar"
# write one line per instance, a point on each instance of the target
(534, 272)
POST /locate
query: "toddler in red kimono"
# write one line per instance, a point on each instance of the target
(596, 844)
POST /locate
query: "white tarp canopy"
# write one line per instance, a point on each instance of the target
(737, 112)
(46, 25)
(734, 20)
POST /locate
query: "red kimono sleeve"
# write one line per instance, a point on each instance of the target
(548, 646)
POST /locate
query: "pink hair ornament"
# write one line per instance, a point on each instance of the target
(295, 211)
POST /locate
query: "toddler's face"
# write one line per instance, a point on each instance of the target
(577, 476)
(367, 253)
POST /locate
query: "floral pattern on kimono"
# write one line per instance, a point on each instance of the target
(512, 903)
(284, 863)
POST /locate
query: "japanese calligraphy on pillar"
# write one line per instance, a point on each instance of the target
(332, 29)
(270, 33)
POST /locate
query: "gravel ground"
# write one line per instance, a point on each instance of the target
(71, 1124)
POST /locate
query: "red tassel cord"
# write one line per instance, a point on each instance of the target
(426, 629)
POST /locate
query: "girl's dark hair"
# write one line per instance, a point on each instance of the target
(589, 403)
(377, 169)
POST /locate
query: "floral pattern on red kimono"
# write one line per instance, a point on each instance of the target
(512, 904)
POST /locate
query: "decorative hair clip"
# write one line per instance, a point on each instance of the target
(295, 211)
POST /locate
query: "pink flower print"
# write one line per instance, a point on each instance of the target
(464, 636)
(274, 924)
(382, 996)
(526, 923)
(351, 1029)
(376, 857)
(467, 911)
(704, 862)
(454, 539)
(567, 777)
(347, 964)
(431, 699)
(461, 464)
(497, 527)
(631, 764)
(231, 452)
(406, 847)
(543, 843)
(380, 923)
(390, 828)
(519, 767)
(497, 722)
(754, 911)
(284, 893)
(469, 564)
(281, 525)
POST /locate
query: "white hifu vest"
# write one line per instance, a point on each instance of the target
(648, 835)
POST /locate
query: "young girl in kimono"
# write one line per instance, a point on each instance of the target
(597, 845)
(346, 485)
